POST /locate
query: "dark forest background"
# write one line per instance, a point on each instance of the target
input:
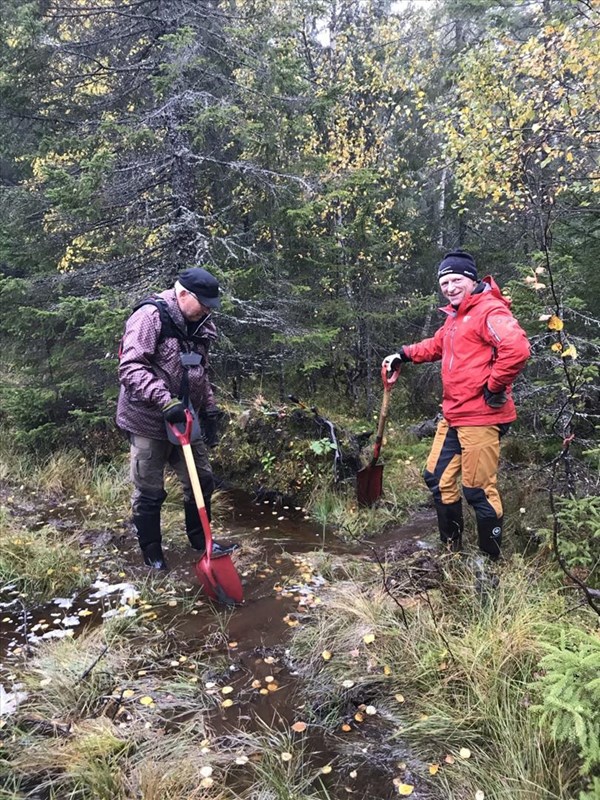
(319, 157)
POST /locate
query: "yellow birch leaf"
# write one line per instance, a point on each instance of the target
(556, 347)
(326, 769)
(369, 638)
(569, 352)
(405, 789)
(227, 690)
(555, 323)
(146, 700)
(399, 698)
(326, 655)
(227, 703)
(464, 752)
(433, 769)
(286, 756)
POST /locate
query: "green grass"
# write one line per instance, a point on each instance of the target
(40, 564)
(464, 670)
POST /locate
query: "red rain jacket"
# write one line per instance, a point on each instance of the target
(480, 343)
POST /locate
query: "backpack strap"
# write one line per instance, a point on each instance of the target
(170, 330)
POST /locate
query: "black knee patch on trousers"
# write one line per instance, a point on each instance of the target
(433, 484)
(477, 499)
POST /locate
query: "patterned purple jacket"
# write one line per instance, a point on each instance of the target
(150, 372)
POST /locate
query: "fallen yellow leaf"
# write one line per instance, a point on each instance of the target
(399, 698)
(369, 638)
(479, 795)
(227, 690)
(326, 655)
(227, 703)
(286, 756)
(405, 789)
(464, 752)
(326, 769)
(146, 700)
(433, 769)
(299, 727)
(206, 771)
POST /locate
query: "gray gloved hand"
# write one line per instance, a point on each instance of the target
(494, 399)
(174, 411)
(209, 421)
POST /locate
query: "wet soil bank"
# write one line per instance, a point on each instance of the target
(247, 668)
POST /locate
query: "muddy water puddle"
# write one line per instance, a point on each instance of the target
(239, 657)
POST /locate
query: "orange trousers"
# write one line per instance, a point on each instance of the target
(470, 453)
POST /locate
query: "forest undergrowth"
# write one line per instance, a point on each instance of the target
(414, 673)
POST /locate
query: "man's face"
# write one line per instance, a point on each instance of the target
(456, 287)
(191, 308)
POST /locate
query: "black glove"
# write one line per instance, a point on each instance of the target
(392, 363)
(494, 399)
(210, 426)
(174, 411)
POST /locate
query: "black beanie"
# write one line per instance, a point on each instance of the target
(458, 262)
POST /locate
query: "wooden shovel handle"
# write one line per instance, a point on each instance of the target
(381, 426)
(198, 496)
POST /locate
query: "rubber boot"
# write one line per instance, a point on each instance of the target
(451, 524)
(489, 531)
(193, 528)
(148, 532)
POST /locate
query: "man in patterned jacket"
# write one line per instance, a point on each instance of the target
(482, 349)
(164, 368)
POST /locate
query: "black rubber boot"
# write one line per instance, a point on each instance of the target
(149, 538)
(451, 524)
(489, 531)
(193, 527)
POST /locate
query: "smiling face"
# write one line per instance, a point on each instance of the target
(456, 287)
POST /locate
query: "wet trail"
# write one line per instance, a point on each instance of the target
(249, 642)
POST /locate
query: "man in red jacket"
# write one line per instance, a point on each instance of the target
(482, 349)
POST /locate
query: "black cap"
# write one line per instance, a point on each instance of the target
(202, 284)
(458, 262)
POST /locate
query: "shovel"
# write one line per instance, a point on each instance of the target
(219, 577)
(369, 480)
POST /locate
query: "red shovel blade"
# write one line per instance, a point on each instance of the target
(220, 580)
(369, 484)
